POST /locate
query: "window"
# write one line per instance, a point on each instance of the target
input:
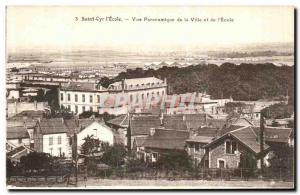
(233, 147)
(197, 147)
(230, 147)
(50, 141)
(142, 96)
(83, 98)
(227, 147)
(157, 93)
(76, 98)
(130, 98)
(221, 164)
(51, 149)
(76, 109)
(91, 99)
(59, 140)
(163, 92)
(69, 97)
(20, 140)
(83, 108)
(91, 108)
(98, 98)
(61, 97)
(154, 157)
(69, 107)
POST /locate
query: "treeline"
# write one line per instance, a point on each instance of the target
(241, 82)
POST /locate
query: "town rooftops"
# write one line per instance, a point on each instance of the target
(82, 86)
(120, 121)
(200, 139)
(16, 132)
(140, 125)
(60, 125)
(167, 139)
(207, 131)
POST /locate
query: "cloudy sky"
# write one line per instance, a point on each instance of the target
(34, 28)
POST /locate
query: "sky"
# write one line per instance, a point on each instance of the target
(56, 28)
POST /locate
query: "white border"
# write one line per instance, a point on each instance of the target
(3, 3)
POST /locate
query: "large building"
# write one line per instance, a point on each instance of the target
(119, 98)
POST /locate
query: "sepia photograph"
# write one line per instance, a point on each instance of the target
(150, 97)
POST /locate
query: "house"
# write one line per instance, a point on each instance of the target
(54, 135)
(16, 154)
(139, 126)
(17, 136)
(195, 148)
(236, 148)
(164, 141)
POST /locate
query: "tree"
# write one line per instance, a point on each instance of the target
(175, 160)
(35, 161)
(105, 82)
(92, 145)
(114, 155)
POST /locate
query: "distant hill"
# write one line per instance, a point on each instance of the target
(242, 82)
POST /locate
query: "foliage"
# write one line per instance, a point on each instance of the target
(114, 155)
(278, 111)
(242, 82)
(175, 160)
(11, 169)
(105, 115)
(234, 107)
(91, 145)
(35, 161)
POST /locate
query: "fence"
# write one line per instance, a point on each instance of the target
(203, 174)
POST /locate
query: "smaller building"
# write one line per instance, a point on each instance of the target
(239, 148)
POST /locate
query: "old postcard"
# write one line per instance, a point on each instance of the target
(150, 97)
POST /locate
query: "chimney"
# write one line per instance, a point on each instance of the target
(152, 131)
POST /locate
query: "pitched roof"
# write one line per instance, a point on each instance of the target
(200, 139)
(174, 122)
(140, 125)
(79, 86)
(207, 131)
(16, 132)
(17, 150)
(230, 128)
(249, 138)
(216, 123)
(53, 125)
(167, 139)
(246, 136)
(275, 134)
(120, 121)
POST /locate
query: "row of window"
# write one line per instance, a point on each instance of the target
(51, 140)
(76, 98)
(76, 108)
(146, 95)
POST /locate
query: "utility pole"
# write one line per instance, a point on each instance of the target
(129, 132)
(75, 157)
(261, 136)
